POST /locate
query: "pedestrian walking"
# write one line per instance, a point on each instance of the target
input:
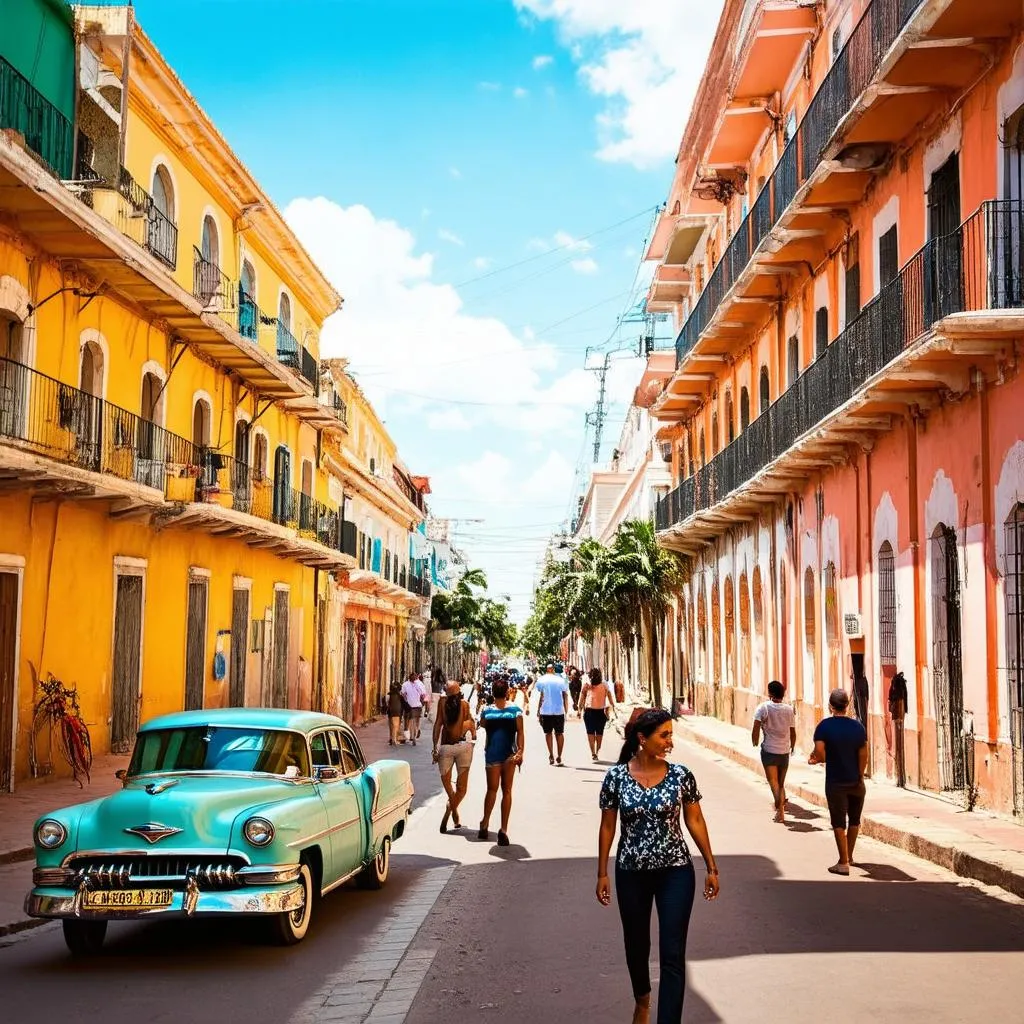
(453, 723)
(396, 711)
(596, 700)
(503, 753)
(646, 795)
(428, 696)
(575, 688)
(413, 694)
(841, 744)
(776, 720)
(438, 681)
(552, 707)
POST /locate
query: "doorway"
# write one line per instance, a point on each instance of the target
(10, 604)
(127, 671)
(283, 511)
(281, 616)
(944, 288)
(1006, 273)
(1014, 591)
(239, 652)
(14, 377)
(195, 642)
(947, 665)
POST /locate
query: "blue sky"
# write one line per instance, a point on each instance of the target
(418, 145)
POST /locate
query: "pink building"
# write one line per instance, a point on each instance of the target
(843, 249)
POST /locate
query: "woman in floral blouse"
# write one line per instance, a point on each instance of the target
(652, 865)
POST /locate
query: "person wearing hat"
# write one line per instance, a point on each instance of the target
(841, 744)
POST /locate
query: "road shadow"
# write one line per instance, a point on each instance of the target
(802, 826)
(882, 872)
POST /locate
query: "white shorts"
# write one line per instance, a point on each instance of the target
(459, 754)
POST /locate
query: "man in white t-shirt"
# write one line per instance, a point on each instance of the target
(777, 722)
(552, 707)
(413, 692)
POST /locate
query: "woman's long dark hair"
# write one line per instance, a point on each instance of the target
(452, 708)
(643, 725)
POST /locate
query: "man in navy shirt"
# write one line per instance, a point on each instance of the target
(841, 744)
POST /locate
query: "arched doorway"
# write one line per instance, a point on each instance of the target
(162, 234)
(207, 277)
(283, 503)
(14, 377)
(766, 391)
(832, 640)
(810, 634)
(947, 665)
(240, 476)
(202, 419)
(88, 426)
(152, 456)
(248, 312)
(746, 673)
(744, 408)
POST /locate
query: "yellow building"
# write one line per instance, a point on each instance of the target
(167, 538)
(379, 610)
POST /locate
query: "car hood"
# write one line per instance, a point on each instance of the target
(200, 807)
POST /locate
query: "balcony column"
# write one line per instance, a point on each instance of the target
(991, 572)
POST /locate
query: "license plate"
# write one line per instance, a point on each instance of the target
(128, 899)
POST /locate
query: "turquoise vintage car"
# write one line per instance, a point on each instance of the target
(228, 811)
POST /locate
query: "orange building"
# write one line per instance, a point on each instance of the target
(843, 249)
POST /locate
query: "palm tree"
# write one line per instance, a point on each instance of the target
(639, 579)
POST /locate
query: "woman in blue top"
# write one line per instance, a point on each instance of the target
(652, 866)
(502, 755)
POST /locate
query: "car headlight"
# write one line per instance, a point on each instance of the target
(258, 831)
(50, 834)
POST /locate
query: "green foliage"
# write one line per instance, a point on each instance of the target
(477, 619)
(625, 588)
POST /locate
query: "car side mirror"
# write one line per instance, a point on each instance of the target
(327, 773)
(121, 773)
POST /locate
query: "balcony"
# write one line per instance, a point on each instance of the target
(898, 352)
(108, 450)
(875, 92)
(47, 132)
(295, 356)
(210, 285)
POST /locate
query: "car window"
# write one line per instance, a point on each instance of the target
(206, 748)
(318, 748)
(334, 748)
(350, 752)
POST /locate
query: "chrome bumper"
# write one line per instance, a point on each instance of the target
(42, 903)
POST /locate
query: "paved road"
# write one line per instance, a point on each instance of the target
(516, 935)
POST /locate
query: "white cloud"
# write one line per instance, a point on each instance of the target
(482, 262)
(520, 93)
(455, 173)
(560, 240)
(587, 265)
(645, 58)
(452, 418)
(542, 60)
(449, 236)
(395, 315)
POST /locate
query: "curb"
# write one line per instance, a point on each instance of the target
(951, 849)
(22, 926)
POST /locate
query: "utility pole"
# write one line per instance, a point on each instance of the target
(596, 418)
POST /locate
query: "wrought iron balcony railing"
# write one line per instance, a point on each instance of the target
(978, 266)
(340, 409)
(48, 133)
(851, 73)
(71, 426)
(210, 285)
(297, 356)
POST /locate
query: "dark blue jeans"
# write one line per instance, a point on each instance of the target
(672, 891)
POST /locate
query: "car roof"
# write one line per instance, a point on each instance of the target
(254, 718)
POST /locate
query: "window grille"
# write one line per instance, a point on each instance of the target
(887, 605)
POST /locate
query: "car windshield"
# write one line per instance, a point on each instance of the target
(206, 748)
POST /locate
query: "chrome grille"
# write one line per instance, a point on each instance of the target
(128, 872)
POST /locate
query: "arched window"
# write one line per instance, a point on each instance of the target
(887, 606)
(766, 391)
(259, 457)
(211, 241)
(91, 369)
(810, 617)
(86, 419)
(716, 634)
(152, 409)
(202, 417)
(831, 606)
(757, 600)
(730, 426)
(163, 192)
(248, 312)
(744, 408)
(714, 433)
(284, 503)
(730, 631)
(703, 449)
(286, 347)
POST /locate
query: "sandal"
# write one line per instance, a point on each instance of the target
(483, 833)
(502, 839)
(455, 819)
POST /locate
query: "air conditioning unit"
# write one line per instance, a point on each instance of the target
(853, 625)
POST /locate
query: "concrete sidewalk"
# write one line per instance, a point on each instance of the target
(972, 844)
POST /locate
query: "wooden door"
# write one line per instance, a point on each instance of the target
(239, 647)
(195, 643)
(127, 673)
(10, 585)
